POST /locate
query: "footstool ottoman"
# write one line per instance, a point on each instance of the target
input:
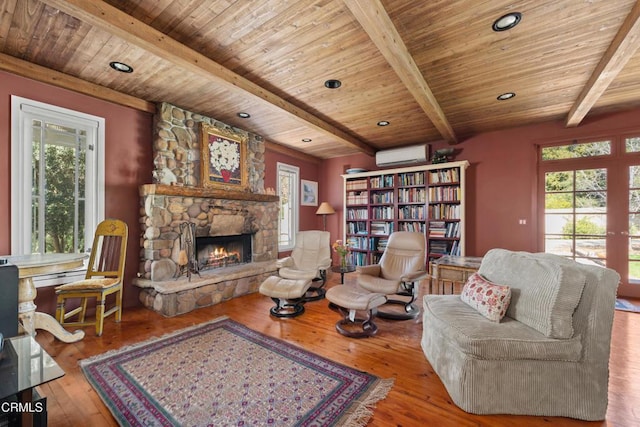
(348, 300)
(288, 294)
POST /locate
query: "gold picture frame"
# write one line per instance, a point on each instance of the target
(223, 155)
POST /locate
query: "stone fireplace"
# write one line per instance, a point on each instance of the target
(218, 216)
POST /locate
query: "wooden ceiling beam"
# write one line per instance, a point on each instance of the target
(46, 75)
(619, 52)
(112, 20)
(279, 148)
(376, 22)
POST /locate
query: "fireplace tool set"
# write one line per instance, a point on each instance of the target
(187, 262)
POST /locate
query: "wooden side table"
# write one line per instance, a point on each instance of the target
(449, 273)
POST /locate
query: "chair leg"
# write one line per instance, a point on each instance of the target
(60, 309)
(83, 312)
(119, 302)
(100, 315)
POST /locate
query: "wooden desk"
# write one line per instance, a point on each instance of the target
(449, 273)
(35, 265)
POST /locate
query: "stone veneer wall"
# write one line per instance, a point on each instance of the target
(176, 148)
(162, 215)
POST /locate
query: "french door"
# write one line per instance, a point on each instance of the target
(590, 199)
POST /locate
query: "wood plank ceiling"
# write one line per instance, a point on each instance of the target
(433, 69)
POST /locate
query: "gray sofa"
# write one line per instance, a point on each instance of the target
(548, 356)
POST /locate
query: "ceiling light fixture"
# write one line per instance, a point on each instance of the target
(505, 96)
(506, 22)
(306, 140)
(383, 123)
(244, 115)
(121, 66)
(332, 84)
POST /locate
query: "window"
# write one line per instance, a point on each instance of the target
(57, 170)
(288, 178)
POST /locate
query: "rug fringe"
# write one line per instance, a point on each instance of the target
(362, 410)
(110, 353)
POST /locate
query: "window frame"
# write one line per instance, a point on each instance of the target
(294, 205)
(23, 110)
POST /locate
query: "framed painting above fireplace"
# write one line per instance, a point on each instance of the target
(223, 159)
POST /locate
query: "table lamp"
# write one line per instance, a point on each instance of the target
(325, 209)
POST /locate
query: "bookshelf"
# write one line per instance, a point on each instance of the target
(428, 199)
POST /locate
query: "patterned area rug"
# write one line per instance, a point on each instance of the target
(624, 305)
(222, 373)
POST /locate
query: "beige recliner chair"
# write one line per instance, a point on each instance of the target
(401, 267)
(309, 260)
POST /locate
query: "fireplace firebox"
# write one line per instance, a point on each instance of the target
(223, 251)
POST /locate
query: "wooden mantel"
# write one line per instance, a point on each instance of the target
(213, 193)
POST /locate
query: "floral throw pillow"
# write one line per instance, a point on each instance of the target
(491, 300)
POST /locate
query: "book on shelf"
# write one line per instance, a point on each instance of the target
(385, 197)
(444, 176)
(412, 195)
(445, 194)
(360, 184)
(358, 198)
(381, 228)
(382, 181)
(382, 212)
(357, 227)
(444, 211)
(411, 178)
(359, 213)
(414, 226)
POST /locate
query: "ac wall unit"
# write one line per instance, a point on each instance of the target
(403, 156)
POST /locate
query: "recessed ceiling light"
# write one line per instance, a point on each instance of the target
(244, 115)
(505, 96)
(383, 123)
(506, 22)
(306, 139)
(332, 84)
(121, 66)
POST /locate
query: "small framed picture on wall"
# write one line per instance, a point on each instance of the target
(309, 190)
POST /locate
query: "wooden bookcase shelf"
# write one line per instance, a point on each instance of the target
(427, 199)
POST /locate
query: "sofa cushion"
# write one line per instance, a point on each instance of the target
(544, 293)
(480, 338)
(490, 299)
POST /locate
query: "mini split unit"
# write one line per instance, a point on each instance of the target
(403, 156)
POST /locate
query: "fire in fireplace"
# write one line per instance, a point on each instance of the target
(223, 251)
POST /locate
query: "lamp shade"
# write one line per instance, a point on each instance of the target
(325, 209)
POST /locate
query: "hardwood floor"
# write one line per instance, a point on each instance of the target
(418, 398)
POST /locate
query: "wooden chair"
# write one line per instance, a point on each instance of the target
(104, 277)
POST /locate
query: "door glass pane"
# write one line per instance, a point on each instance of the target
(575, 150)
(576, 214)
(634, 224)
(632, 145)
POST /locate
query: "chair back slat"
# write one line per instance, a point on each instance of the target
(109, 246)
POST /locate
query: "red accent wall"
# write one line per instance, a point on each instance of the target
(501, 180)
(128, 164)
